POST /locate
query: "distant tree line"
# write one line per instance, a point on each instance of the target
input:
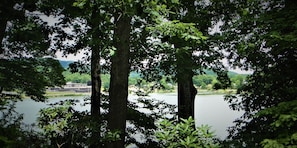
(207, 81)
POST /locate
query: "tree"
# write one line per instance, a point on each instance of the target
(23, 32)
(76, 77)
(83, 26)
(191, 52)
(108, 29)
(79, 28)
(130, 20)
(30, 76)
(118, 90)
(10, 13)
(123, 14)
(103, 24)
(261, 36)
(185, 64)
(24, 41)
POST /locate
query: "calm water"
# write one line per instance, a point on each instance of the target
(209, 109)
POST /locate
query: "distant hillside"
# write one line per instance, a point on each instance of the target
(134, 74)
(232, 73)
(65, 64)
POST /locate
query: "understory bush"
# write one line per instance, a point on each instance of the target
(184, 134)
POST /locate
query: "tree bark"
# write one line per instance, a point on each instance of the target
(95, 80)
(118, 90)
(95, 64)
(186, 89)
(95, 96)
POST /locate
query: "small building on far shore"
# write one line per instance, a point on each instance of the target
(76, 87)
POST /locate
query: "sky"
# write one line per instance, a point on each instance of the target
(70, 57)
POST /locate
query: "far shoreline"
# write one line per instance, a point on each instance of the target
(54, 94)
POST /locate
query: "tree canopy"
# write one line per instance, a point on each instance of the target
(24, 41)
(261, 36)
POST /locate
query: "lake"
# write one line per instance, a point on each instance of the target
(209, 109)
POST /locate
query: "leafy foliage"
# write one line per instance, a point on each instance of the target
(76, 77)
(23, 32)
(260, 35)
(64, 126)
(142, 117)
(25, 39)
(186, 31)
(30, 76)
(285, 116)
(184, 134)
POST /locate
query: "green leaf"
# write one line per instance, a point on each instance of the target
(80, 3)
(175, 1)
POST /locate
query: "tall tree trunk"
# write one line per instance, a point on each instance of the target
(185, 65)
(118, 90)
(95, 96)
(186, 89)
(95, 80)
